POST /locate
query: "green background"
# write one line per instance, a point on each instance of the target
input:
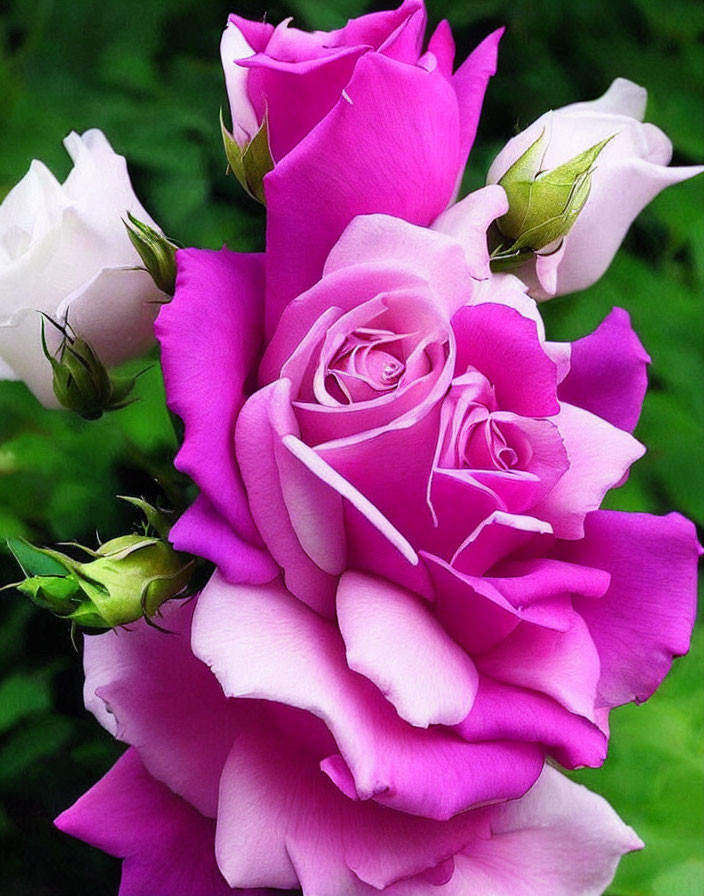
(147, 72)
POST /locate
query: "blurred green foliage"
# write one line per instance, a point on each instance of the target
(147, 72)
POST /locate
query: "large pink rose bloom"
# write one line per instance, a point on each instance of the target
(225, 786)
(424, 470)
(363, 119)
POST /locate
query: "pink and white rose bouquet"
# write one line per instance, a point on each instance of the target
(407, 606)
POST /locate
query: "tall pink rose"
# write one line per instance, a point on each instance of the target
(425, 468)
(224, 786)
(361, 120)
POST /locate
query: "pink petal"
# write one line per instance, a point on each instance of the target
(393, 639)
(262, 644)
(599, 455)
(435, 258)
(195, 355)
(149, 690)
(264, 421)
(562, 664)
(505, 346)
(559, 839)
(282, 821)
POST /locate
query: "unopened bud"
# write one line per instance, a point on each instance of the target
(126, 579)
(81, 382)
(543, 205)
(251, 162)
(158, 253)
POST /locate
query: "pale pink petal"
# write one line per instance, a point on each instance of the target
(392, 637)
(599, 455)
(560, 839)
(468, 221)
(150, 691)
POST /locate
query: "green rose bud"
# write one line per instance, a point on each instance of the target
(543, 205)
(81, 382)
(126, 579)
(158, 254)
(249, 163)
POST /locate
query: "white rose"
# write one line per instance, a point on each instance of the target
(65, 251)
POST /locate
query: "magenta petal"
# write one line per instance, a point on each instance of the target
(608, 372)
(646, 617)
(167, 846)
(442, 46)
(470, 81)
(406, 118)
(226, 287)
(506, 712)
(150, 691)
(297, 96)
(203, 531)
(504, 345)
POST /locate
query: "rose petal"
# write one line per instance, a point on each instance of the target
(393, 639)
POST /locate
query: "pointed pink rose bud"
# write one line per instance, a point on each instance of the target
(631, 169)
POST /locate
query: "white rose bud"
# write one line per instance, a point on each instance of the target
(64, 251)
(630, 170)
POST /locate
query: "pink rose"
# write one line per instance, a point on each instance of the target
(227, 785)
(360, 120)
(630, 171)
(424, 468)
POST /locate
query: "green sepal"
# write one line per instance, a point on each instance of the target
(158, 253)
(158, 519)
(81, 382)
(543, 205)
(251, 163)
(125, 579)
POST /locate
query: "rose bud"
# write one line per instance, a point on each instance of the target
(631, 169)
(128, 578)
(542, 205)
(158, 253)
(81, 382)
(64, 252)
